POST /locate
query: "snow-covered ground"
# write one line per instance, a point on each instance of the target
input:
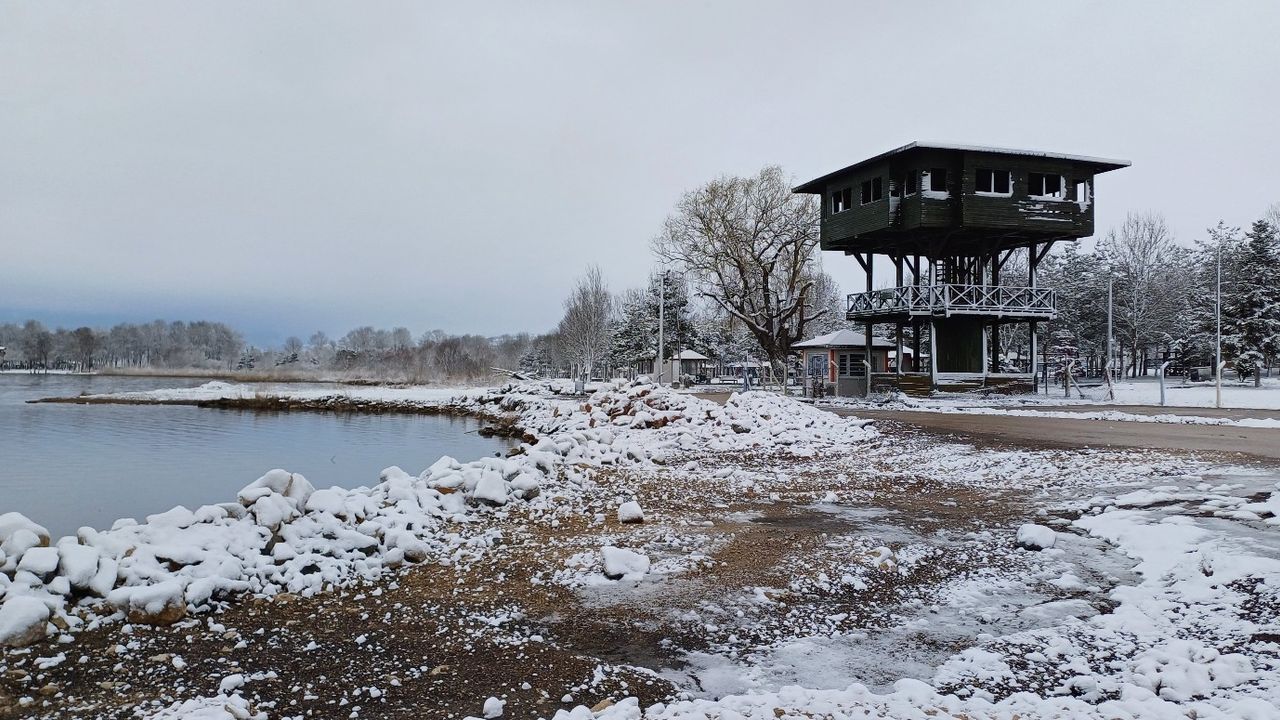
(1181, 399)
(1173, 418)
(1178, 393)
(805, 565)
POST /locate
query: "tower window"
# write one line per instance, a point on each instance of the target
(1082, 196)
(872, 190)
(996, 182)
(937, 179)
(841, 200)
(1042, 185)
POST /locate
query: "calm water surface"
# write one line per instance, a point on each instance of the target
(65, 466)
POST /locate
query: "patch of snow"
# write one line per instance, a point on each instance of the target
(217, 707)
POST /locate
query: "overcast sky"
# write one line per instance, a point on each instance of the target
(292, 166)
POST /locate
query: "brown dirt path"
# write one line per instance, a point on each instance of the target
(1024, 431)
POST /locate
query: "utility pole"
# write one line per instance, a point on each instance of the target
(1106, 364)
(1217, 371)
(662, 312)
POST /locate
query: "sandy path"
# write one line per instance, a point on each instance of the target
(1070, 433)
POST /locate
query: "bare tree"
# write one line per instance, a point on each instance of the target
(584, 329)
(749, 244)
(825, 304)
(1142, 258)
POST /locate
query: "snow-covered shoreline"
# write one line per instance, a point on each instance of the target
(283, 535)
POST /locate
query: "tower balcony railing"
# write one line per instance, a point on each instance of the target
(954, 299)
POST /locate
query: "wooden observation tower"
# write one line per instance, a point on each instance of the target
(948, 218)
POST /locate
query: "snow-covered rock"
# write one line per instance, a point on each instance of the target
(40, 561)
(630, 512)
(332, 501)
(291, 486)
(160, 604)
(1035, 537)
(78, 563)
(625, 709)
(22, 620)
(12, 522)
(18, 534)
(218, 707)
(620, 562)
(493, 708)
(231, 683)
(491, 488)
(526, 486)
(178, 517)
(882, 558)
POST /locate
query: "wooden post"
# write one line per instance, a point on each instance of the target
(933, 354)
(869, 328)
(995, 326)
(898, 261)
(915, 324)
(915, 346)
(1032, 261)
(984, 355)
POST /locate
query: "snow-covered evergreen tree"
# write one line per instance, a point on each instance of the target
(539, 359)
(1200, 344)
(1251, 306)
(635, 332)
(1081, 283)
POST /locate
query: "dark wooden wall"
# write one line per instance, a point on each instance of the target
(964, 209)
(860, 218)
(1021, 212)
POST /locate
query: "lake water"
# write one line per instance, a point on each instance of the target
(65, 466)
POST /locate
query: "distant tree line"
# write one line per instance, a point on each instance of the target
(366, 351)
(158, 344)
(395, 354)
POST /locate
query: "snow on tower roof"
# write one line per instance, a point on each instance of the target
(1099, 164)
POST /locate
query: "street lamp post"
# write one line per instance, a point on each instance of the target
(662, 311)
(1218, 313)
(1106, 364)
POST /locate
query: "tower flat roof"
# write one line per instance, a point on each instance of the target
(1100, 165)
